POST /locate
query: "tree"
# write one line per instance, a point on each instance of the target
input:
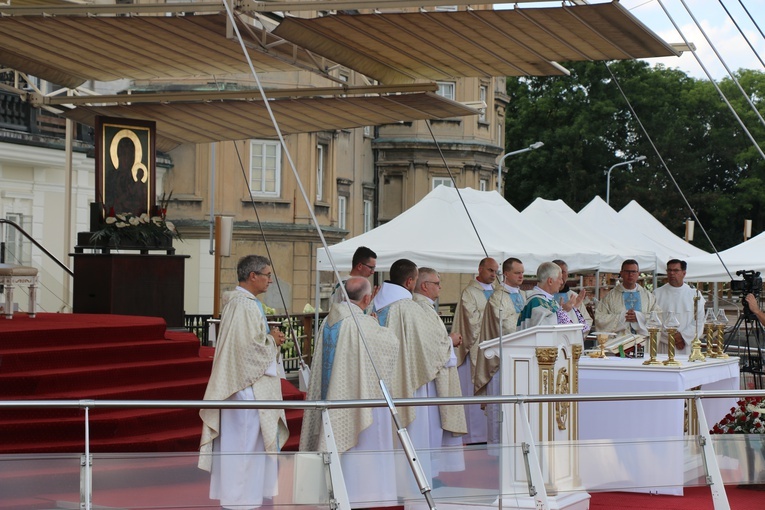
(587, 126)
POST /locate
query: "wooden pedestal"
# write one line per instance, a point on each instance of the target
(126, 284)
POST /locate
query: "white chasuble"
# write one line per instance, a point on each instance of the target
(244, 368)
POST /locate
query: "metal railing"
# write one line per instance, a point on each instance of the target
(536, 465)
(33, 241)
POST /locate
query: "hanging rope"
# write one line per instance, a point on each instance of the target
(722, 61)
(743, 34)
(717, 87)
(664, 165)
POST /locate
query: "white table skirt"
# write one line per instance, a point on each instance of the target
(650, 419)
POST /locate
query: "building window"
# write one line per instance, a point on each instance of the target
(342, 209)
(446, 89)
(482, 185)
(368, 219)
(321, 166)
(15, 242)
(482, 95)
(442, 181)
(265, 168)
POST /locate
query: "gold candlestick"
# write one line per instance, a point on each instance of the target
(722, 321)
(672, 323)
(653, 325)
(696, 354)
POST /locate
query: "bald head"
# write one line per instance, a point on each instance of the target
(358, 288)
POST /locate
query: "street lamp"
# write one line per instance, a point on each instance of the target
(608, 181)
(531, 147)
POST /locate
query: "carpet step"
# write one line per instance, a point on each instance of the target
(103, 424)
(54, 330)
(42, 383)
(90, 354)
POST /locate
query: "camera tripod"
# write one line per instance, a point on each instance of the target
(750, 352)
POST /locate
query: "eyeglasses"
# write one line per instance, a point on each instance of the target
(437, 284)
(267, 275)
(371, 268)
(674, 270)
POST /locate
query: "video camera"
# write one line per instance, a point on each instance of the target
(751, 284)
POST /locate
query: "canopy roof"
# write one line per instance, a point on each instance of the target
(437, 232)
(747, 256)
(558, 219)
(636, 229)
(199, 122)
(70, 50)
(91, 42)
(402, 47)
(652, 234)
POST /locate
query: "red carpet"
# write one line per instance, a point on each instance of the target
(91, 356)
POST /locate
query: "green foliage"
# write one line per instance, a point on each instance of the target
(587, 127)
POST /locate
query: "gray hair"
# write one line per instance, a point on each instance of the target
(548, 270)
(250, 264)
(422, 274)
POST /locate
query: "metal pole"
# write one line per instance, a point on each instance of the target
(608, 179)
(531, 147)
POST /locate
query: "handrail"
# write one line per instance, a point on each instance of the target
(44, 250)
(339, 404)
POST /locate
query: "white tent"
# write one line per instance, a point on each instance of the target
(651, 233)
(742, 257)
(438, 232)
(567, 227)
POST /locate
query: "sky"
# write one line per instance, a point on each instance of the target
(717, 25)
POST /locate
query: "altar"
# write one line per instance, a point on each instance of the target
(641, 421)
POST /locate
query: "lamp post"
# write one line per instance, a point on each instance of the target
(608, 181)
(531, 147)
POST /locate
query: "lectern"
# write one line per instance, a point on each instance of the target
(541, 360)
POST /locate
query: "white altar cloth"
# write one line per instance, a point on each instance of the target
(642, 420)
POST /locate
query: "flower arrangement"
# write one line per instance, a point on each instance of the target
(132, 229)
(748, 417)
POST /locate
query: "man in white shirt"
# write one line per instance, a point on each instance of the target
(678, 297)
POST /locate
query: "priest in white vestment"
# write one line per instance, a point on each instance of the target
(499, 318)
(467, 322)
(542, 309)
(342, 370)
(627, 307)
(565, 294)
(424, 352)
(447, 381)
(234, 441)
(678, 297)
